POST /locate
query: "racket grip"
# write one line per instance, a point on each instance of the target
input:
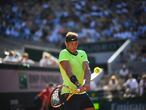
(69, 96)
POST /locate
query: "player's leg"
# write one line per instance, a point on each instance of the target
(86, 103)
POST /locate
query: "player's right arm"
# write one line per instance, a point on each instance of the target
(67, 68)
(65, 64)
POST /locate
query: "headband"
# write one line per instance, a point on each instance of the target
(70, 38)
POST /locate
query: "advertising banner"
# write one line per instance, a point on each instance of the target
(26, 80)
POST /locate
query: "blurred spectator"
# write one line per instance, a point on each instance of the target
(127, 93)
(123, 57)
(48, 60)
(114, 83)
(123, 72)
(142, 85)
(131, 86)
(25, 59)
(133, 55)
(134, 52)
(115, 19)
(11, 57)
(114, 86)
(43, 97)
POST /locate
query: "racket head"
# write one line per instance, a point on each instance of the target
(55, 97)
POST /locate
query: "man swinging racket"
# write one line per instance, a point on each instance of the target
(76, 74)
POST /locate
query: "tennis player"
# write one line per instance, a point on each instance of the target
(74, 68)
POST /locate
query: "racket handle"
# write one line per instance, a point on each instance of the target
(69, 96)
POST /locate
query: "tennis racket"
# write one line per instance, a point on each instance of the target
(56, 101)
(55, 98)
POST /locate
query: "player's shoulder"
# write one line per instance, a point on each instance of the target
(81, 51)
(64, 51)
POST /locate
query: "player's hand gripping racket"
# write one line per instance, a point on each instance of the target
(55, 98)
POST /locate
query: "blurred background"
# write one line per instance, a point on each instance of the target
(112, 32)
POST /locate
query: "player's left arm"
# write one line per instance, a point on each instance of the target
(87, 75)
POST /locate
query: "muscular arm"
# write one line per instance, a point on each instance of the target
(87, 72)
(67, 68)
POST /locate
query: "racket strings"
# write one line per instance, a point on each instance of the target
(55, 99)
